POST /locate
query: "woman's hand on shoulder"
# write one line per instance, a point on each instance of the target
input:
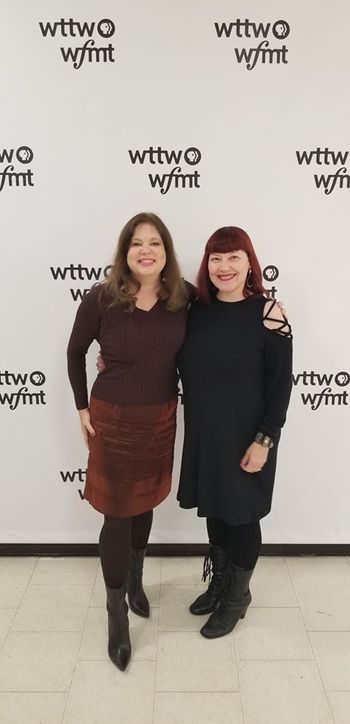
(85, 424)
(275, 317)
(254, 458)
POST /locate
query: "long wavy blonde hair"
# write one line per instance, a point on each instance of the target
(120, 287)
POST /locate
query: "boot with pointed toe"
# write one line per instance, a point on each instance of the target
(233, 605)
(215, 564)
(119, 646)
(137, 598)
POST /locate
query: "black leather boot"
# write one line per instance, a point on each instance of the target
(233, 605)
(138, 600)
(119, 646)
(215, 564)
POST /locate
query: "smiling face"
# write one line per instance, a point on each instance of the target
(228, 272)
(146, 257)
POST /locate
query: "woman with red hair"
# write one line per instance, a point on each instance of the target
(236, 371)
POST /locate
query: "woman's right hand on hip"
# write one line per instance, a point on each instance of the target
(86, 427)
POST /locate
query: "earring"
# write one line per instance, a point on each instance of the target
(249, 280)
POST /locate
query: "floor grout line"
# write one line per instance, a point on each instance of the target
(79, 646)
(310, 642)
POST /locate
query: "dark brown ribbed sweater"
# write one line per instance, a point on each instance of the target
(138, 348)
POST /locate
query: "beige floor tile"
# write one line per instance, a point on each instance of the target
(174, 613)
(143, 635)
(271, 584)
(31, 708)
(314, 570)
(38, 661)
(15, 574)
(100, 694)
(332, 653)
(98, 598)
(53, 608)
(340, 705)
(188, 662)
(206, 708)
(283, 692)
(180, 571)
(6, 617)
(152, 570)
(324, 607)
(272, 633)
(66, 570)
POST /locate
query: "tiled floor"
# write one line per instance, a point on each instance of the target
(288, 662)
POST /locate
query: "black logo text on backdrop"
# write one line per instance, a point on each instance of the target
(247, 33)
(72, 476)
(174, 176)
(330, 388)
(16, 175)
(326, 181)
(21, 388)
(79, 273)
(87, 52)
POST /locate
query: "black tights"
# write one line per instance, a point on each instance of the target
(117, 536)
(243, 542)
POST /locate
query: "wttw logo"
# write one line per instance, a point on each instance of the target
(22, 394)
(70, 476)
(327, 181)
(88, 52)
(78, 272)
(11, 177)
(328, 396)
(175, 178)
(262, 53)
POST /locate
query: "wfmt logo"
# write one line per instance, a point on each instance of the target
(88, 52)
(270, 274)
(8, 175)
(78, 272)
(175, 178)
(327, 182)
(262, 53)
(328, 396)
(22, 395)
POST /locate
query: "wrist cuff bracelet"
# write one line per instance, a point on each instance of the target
(263, 440)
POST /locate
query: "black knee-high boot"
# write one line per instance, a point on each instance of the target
(215, 564)
(119, 646)
(233, 605)
(138, 600)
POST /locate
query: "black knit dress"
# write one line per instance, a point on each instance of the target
(236, 377)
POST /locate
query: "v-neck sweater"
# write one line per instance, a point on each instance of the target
(139, 351)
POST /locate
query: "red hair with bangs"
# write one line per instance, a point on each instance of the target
(228, 238)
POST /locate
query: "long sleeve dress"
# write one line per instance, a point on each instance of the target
(133, 402)
(236, 376)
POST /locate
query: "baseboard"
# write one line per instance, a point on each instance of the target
(171, 549)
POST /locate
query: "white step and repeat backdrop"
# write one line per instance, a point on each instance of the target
(209, 114)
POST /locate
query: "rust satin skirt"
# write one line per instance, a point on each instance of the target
(131, 457)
